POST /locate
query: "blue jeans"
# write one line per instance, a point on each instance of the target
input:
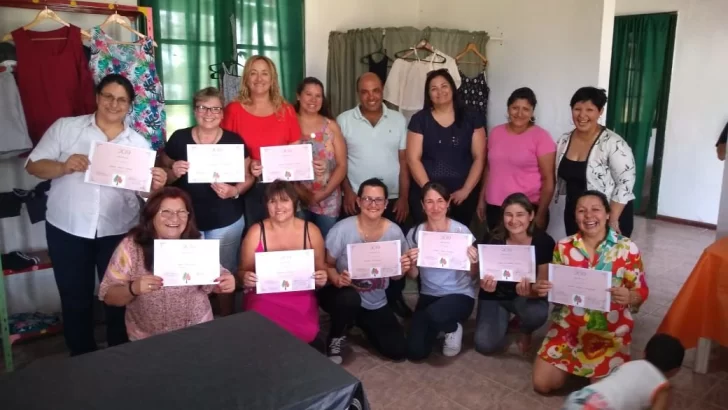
(230, 237)
(491, 323)
(323, 222)
(435, 314)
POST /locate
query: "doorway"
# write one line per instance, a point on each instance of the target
(639, 90)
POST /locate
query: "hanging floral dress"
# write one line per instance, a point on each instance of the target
(136, 63)
(590, 343)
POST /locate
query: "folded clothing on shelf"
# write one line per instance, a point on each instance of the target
(21, 323)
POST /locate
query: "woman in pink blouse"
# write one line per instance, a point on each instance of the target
(152, 309)
(521, 159)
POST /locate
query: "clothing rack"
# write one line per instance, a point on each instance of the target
(86, 7)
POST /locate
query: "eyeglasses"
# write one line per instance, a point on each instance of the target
(202, 109)
(368, 200)
(168, 213)
(109, 99)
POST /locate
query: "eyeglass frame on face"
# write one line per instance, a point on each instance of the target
(202, 109)
(368, 200)
(167, 214)
(110, 99)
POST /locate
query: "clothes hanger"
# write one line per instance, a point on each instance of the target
(45, 14)
(381, 51)
(117, 19)
(425, 45)
(471, 48)
(216, 68)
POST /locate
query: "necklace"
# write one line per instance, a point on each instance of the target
(197, 139)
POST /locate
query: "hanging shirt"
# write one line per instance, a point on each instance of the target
(379, 67)
(53, 77)
(474, 93)
(74, 206)
(14, 139)
(136, 63)
(405, 85)
(230, 85)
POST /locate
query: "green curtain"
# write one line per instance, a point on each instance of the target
(194, 34)
(346, 50)
(640, 52)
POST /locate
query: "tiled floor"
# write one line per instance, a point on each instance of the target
(473, 381)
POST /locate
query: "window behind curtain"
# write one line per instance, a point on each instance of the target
(194, 34)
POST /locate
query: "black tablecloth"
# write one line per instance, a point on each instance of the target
(242, 361)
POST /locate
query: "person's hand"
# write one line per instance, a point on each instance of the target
(319, 167)
(159, 178)
(224, 191)
(180, 168)
(488, 283)
(343, 280)
(225, 284)
(147, 284)
(480, 210)
(620, 295)
(401, 209)
(473, 254)
(523, 288)
(614, 224)
(540, 220)
(76, 163)
(412, 254)
(256, 168)
(542, 288)
(721, 151)
(320, 277)
(405, 262)
(250, 279)
(349, 202)
(317, 197)
(459, 196)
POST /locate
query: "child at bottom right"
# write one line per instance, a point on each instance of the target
(635, 385)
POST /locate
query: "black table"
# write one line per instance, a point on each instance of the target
(243, 361)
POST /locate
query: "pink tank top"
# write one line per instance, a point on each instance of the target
(296, 312)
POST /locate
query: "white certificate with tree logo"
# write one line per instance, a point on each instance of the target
(187, 262)
(443, 250)
(287, 163)
(580, 287)
(285, 271)
(508, 263)
(370, 260)
(216, 163)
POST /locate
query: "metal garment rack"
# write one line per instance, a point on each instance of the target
(87, 7)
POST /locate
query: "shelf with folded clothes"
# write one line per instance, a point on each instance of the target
(28, 326)
(15, 263)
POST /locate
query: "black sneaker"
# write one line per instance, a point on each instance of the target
(336, 345)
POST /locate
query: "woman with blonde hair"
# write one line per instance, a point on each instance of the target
(263, 118)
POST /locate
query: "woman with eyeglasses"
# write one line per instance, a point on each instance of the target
(152, 308)
(446, 143)
(364, 301)
(218, 206)
(85, 222)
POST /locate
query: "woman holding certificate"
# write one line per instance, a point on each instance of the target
(363, 253)
(86, 221)
(446, 143)
(447, 292)
(217, 206)
(281, 288)
(590, 342)
(263, 119)
(130, 280)
(501, 298)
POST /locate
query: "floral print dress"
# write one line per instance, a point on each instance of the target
(590, 343)
(136, 63)
(322, 146)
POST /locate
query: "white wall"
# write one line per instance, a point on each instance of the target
(35, 290)
(691, 180)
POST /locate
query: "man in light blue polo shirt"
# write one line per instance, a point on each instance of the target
(376, 138)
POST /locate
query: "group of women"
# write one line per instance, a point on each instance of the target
(448, 160)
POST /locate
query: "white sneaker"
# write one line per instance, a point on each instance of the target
(336, 345)
(453, 342)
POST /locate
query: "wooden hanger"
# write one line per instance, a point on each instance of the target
(117, 19)
(45, 14)
(422, 45)
(471, 48)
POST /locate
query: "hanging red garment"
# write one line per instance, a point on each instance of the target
(53, 77)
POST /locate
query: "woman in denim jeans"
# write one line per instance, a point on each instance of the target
(218, 207)
(499, 299)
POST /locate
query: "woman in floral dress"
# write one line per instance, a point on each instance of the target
(583, 342)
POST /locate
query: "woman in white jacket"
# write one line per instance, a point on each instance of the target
(592, 157)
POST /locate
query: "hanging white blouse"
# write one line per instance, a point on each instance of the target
(14, 138)
(405, 86)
